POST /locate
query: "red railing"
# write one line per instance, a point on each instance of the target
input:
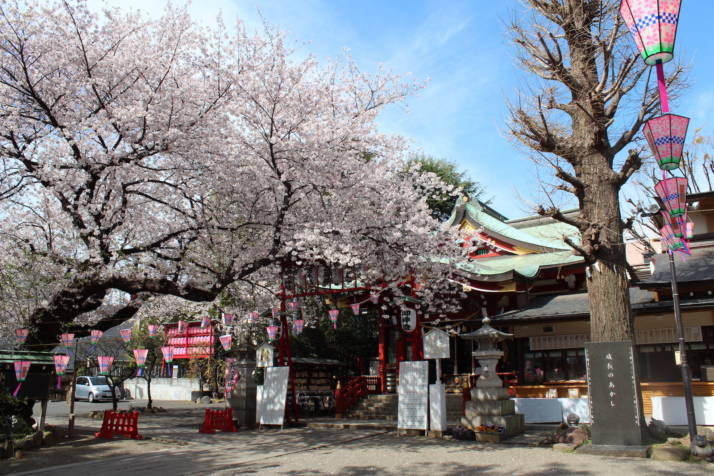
(353, 392)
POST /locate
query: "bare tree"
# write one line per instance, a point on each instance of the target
(594, 99)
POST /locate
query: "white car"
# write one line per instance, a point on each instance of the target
(93, 389)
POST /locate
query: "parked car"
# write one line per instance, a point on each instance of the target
(94, 389)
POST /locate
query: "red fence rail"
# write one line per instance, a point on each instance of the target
(353, 392)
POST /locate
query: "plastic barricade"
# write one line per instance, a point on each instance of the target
(119, 424)
(218, 420)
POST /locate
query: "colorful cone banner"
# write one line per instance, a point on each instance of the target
(61, 362)
(125, 335)
(275, 312)
(22, 367)
(355, 308)
(94, 336)
(333, 317)
(374, 298)
(227, 319)
(153, 330)
(272, 332)
(666, 135)
(67, 340)
(21, 335)
(168, 353)
(673, 193)
(299, 325)
(653, 25)
(226, 341)
(254, 316)
(140, 357)
(105, 364)
(205, 321)
(293, 305)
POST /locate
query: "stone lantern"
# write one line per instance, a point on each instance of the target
(491, 413)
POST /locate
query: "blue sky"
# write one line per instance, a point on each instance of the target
(462, 48)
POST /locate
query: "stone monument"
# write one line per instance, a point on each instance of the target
(491, 413)
(242, 398)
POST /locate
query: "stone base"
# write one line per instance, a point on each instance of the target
(670, 453)
(490, 407)
(614, 450)
(513, 424)
(489, 437)
(496, 393)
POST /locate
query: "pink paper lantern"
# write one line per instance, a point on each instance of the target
(168, 353)
(227, 319)
(140, 357)
(355, 308)
(293, 305)
(67, 340)
(153, 330)
(61, 362)
(125, 335)
(226, 341)
(22, 367)
(94, 336)
(689, 225)
(673, 193)
(21, 335)
(653, 24)
(205, 321)
(254, 316)
(374, 298)
(182, 325)
(334, 313)
(275, 312)
(666, 135)
(272, 332)
(677, 224)
(299, 324)
(105, 364)
(670, 241)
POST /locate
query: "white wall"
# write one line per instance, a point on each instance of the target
(162, 388)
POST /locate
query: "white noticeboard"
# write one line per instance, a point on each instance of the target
(437, 407)
(436, 345)
(413, 394)
(275, 391)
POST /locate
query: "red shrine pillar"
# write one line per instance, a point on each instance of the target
(382, 346)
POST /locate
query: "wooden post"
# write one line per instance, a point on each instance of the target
(73, 386)
(43, 414)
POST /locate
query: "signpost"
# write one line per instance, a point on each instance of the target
(615, 405)
(413, 395)
(275, 391)
(437, 346)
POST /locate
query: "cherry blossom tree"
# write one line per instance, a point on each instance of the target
(149, 157)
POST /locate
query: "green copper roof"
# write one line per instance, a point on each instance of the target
(525, 265)
(543, 236)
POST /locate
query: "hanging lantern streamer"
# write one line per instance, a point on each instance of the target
(94, 336)
(21, 335)
(153, 330)
(226, 341)
(67, 340)
(673, 193)
(355, 308)
(140, 357)
(254, 316)
(272, 332)
(105, 364)
(293, 305)
(205, 321)
(22, 367)
(227, 319)
(168, 353)
(299, 325)
(333, 317)
(61, 361)
(125, 335)
(653, 25)
(275, 312)
(666, 135)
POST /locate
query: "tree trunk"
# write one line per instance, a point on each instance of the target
(148, 392)
(608, 287)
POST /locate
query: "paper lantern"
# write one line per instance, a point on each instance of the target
(125, 335)
(254, 316)
(272, 332)
(94, 336)
(168, 353)
(673, 193)
(226, 341)
(670, 241)
(227, 319)
(105, 364)
(677, 224)
(140, 357)
(334, 313)
(653, 24)
(275, 312)
(689, 226)
(22, 367)
(61, 361)
(153, 330)
(21, 335)
(299, 324)
(205, 321)
(293, 305)
(666, 135)
(67, 340)
(355, 308)
(374, 298)
(182, 327)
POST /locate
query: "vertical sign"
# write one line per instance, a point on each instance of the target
(413, 392)
(275, 391)
(612, 394)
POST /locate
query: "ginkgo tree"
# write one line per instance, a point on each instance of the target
(163, 157)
